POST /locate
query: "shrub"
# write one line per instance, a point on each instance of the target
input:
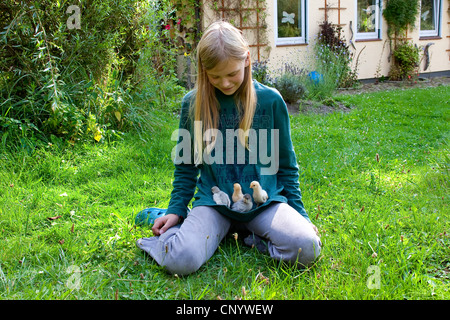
(406, 61)
(75, 83)
(290, 87)
(331, 61)
(400, 15)
(260, 72)
(156, 69)
(334, 53)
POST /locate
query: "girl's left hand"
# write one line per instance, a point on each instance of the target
(165, 222)
(316, 230)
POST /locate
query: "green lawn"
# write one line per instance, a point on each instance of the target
(384, 224)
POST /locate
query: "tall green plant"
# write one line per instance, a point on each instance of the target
(332, 60)
(53, 77)
(400, 15)
(157, 66)
(406, 57)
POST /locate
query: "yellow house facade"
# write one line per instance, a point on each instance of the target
(284, 31)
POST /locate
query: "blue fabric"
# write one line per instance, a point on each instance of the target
(315, 77)
(149, 215)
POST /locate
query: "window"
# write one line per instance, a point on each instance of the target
(368, 19)
(430, 18)
(290, 22)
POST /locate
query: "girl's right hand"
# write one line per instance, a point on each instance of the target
(162, 224)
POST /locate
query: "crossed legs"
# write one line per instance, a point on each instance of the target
(183, 249)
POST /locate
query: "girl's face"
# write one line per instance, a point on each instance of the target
(227, 76)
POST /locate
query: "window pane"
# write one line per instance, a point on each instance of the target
(289, 18)
(427, 15)
(367, 15)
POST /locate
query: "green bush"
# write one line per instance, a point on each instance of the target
(400, 15)
(156, 72)
(260, 72)
(74, 84)
(334, 55)
(406, 61)
(290, 87)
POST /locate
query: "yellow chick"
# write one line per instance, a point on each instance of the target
(259, 195)
(237, 194)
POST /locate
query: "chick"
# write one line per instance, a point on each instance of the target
(220, 197)
(237, 194)
(244, 204)
(259, 195)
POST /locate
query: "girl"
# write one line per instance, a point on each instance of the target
(225, 114)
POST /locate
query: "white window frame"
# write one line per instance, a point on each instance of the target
(375, 35)
(292, 40)
(437, 21)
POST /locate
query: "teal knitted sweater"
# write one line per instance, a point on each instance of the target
(270, 159)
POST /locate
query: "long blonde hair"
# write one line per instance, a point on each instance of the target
(221, 42)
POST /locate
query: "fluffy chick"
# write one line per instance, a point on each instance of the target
(259, 195)
(237, 194)
(220, 197)
(244, 204)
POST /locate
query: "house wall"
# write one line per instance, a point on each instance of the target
(372, 56)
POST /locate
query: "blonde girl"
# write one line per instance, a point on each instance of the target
(228, 111)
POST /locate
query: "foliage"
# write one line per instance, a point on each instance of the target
(288, 30)
(400, 15)
(331, 36)
(260, 72)
(332, 61)
(332, 49)
(84, 83)
(156, 72)
(58, 81)
(290, 87)
(406, 61)
(328, 65)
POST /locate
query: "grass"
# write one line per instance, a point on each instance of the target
(389, 215)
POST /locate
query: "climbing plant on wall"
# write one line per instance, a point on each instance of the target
(401, 16)
(185, 24)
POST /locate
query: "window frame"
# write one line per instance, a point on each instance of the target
(288, 41)
(437, 21)
(374, 35)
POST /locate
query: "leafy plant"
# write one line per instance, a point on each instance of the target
(290, 87)
(97, 190)
(406, 57)
(73, 83)
(334, 55)
(400, 15)
(260, 72)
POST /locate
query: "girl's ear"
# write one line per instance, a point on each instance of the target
(247, 60)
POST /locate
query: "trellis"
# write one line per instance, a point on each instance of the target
(327, 7)
(230, 9)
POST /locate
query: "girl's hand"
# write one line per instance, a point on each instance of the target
(316, 230)
(165, 222)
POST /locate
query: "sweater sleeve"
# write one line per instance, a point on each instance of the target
(287, 175)
(185, 173)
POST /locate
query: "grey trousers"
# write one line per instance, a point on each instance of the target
(184, 248)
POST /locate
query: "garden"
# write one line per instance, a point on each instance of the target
(85, 144)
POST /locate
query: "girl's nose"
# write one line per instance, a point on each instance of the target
(225, 83)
